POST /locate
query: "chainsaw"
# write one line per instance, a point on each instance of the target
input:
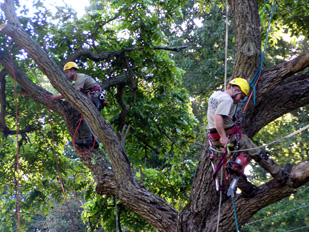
(236, 168)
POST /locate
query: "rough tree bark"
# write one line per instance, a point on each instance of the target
(117, 177)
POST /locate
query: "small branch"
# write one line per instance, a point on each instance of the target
(3, 74)
(133, 82)
(123, 134)
(124, 107)
(142, 175)
(143, 141)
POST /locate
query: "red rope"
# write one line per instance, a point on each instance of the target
(85, 153)
(53, 137)
(257, 80)
(17, 159)
(60, 180)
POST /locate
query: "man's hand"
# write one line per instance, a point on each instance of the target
(224, 141)
(55, 97)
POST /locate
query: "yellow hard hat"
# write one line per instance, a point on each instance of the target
(242, 83)
(70, 65)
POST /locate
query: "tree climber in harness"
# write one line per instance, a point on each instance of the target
(91, 89)
(223, 130)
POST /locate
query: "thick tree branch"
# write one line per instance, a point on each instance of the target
(286, 97)
(107, 54)
(30, 89)
(266, 195)
(114, 81)
(275, 75)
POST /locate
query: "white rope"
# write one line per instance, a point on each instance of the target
(225, 77)
(220, 201)
(299, 228)
(278, 214)
(226, 43)
(116, 213)
(266, 145)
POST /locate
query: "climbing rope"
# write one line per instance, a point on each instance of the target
(94, 140)
(278, 214)
(116, 213)
(226, 43)
(235, 215)
(54, 147)
(222, 162)
(256, 77)
(17, 142)
(220, 202)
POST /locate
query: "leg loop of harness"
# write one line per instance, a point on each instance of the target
(235, 133)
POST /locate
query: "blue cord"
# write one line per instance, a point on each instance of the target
(235, 212)
(253, 81)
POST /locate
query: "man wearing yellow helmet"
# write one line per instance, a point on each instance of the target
(85, 84)
(92, 89)
(221, 108)
(223, 130)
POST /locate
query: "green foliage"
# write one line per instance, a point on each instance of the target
(59, 217)
(290, 214)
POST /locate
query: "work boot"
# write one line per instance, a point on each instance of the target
(279, 174)
(249, 192)
(87, 142)
(285, 174)
(247, 188)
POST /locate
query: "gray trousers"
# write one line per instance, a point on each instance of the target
(83, 131)
(268, 164)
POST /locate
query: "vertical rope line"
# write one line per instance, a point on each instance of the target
(234, 207)
(54, 147)
(17, 158)
(255, 79)
(220, 201)
(116, 212)
(226, 43)
(56, 159)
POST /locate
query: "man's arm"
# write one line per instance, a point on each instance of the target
(218, 119)
(56, 97)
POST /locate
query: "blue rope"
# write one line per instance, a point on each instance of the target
(253, 81)
(235, 212)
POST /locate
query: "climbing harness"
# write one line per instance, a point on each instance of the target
(214, 137)
(266, 145)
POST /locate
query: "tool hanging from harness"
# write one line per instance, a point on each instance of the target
(98, 96)
(235, 168)
(234, 134)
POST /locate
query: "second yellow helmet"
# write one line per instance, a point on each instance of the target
(70, 65)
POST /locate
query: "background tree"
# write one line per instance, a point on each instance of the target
(124, 37)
